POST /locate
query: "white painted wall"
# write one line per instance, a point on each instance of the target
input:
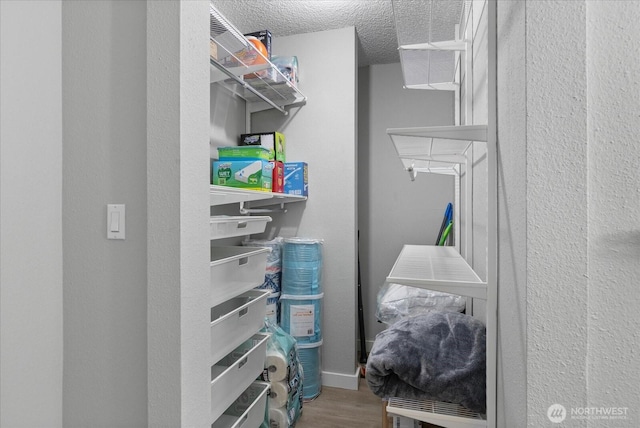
(393, 210)
(104, 148)
(613, 75)
(567, 151)
(31, 320)
(323, 133)
(178, 248)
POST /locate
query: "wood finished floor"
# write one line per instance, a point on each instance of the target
(341, 408)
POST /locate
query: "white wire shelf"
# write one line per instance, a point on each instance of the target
(429, 43)
(223, 195)
(435, 149)
(436, 412)
(237, 65)
(439, 268)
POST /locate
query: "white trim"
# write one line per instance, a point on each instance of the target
(341, 380)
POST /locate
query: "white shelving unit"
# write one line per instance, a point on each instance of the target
(438, 268)
(430, 49)
(431, 59)
(245, 71)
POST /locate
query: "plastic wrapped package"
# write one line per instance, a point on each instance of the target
(273, 270)
(288, 66)
(395, 301)
(283, 370)
(274, 260)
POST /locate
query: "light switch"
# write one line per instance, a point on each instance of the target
(115, 221)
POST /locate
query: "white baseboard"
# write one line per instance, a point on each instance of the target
(341, 380)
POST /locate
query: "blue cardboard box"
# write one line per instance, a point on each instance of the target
(296, 178)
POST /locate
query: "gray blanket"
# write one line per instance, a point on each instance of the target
(436, 356)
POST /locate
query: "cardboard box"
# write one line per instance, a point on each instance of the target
(246, 153)
(244, 174)
(265, 37)
(270, 140)
(277, 185)
(296, 178)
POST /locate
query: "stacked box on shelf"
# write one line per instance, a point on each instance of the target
(275, 142)
(301, 305)
(296, 178)
(251, 166)
(244, 174)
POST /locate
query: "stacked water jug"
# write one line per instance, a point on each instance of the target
(301, 306)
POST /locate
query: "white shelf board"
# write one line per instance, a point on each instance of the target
(439, 268)
(428, 41)
(459, 132)
(435, 146)
(222, 195)
(447, 415)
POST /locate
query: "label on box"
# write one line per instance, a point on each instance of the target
(246, 174)
(302, 320)
(274, 141)
(296, 178)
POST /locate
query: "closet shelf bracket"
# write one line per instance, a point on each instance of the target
(412, 172)
(246, 210)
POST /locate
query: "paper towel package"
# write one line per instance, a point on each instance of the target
(282, 363)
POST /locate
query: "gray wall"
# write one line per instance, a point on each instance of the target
(105, 281)
(31, 348)
(392, 210)
(323, 133)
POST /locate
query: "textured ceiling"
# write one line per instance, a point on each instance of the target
(373, 20)
(421, 21)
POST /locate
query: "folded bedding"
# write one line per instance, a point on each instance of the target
(437, 356)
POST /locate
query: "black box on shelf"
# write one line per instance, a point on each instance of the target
(265, 37)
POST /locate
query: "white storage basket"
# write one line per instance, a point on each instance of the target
(235, 270)
(235, 320)
(229, 226)
(235, 372)
(248, 410)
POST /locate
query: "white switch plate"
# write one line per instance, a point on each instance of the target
(115, 221)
